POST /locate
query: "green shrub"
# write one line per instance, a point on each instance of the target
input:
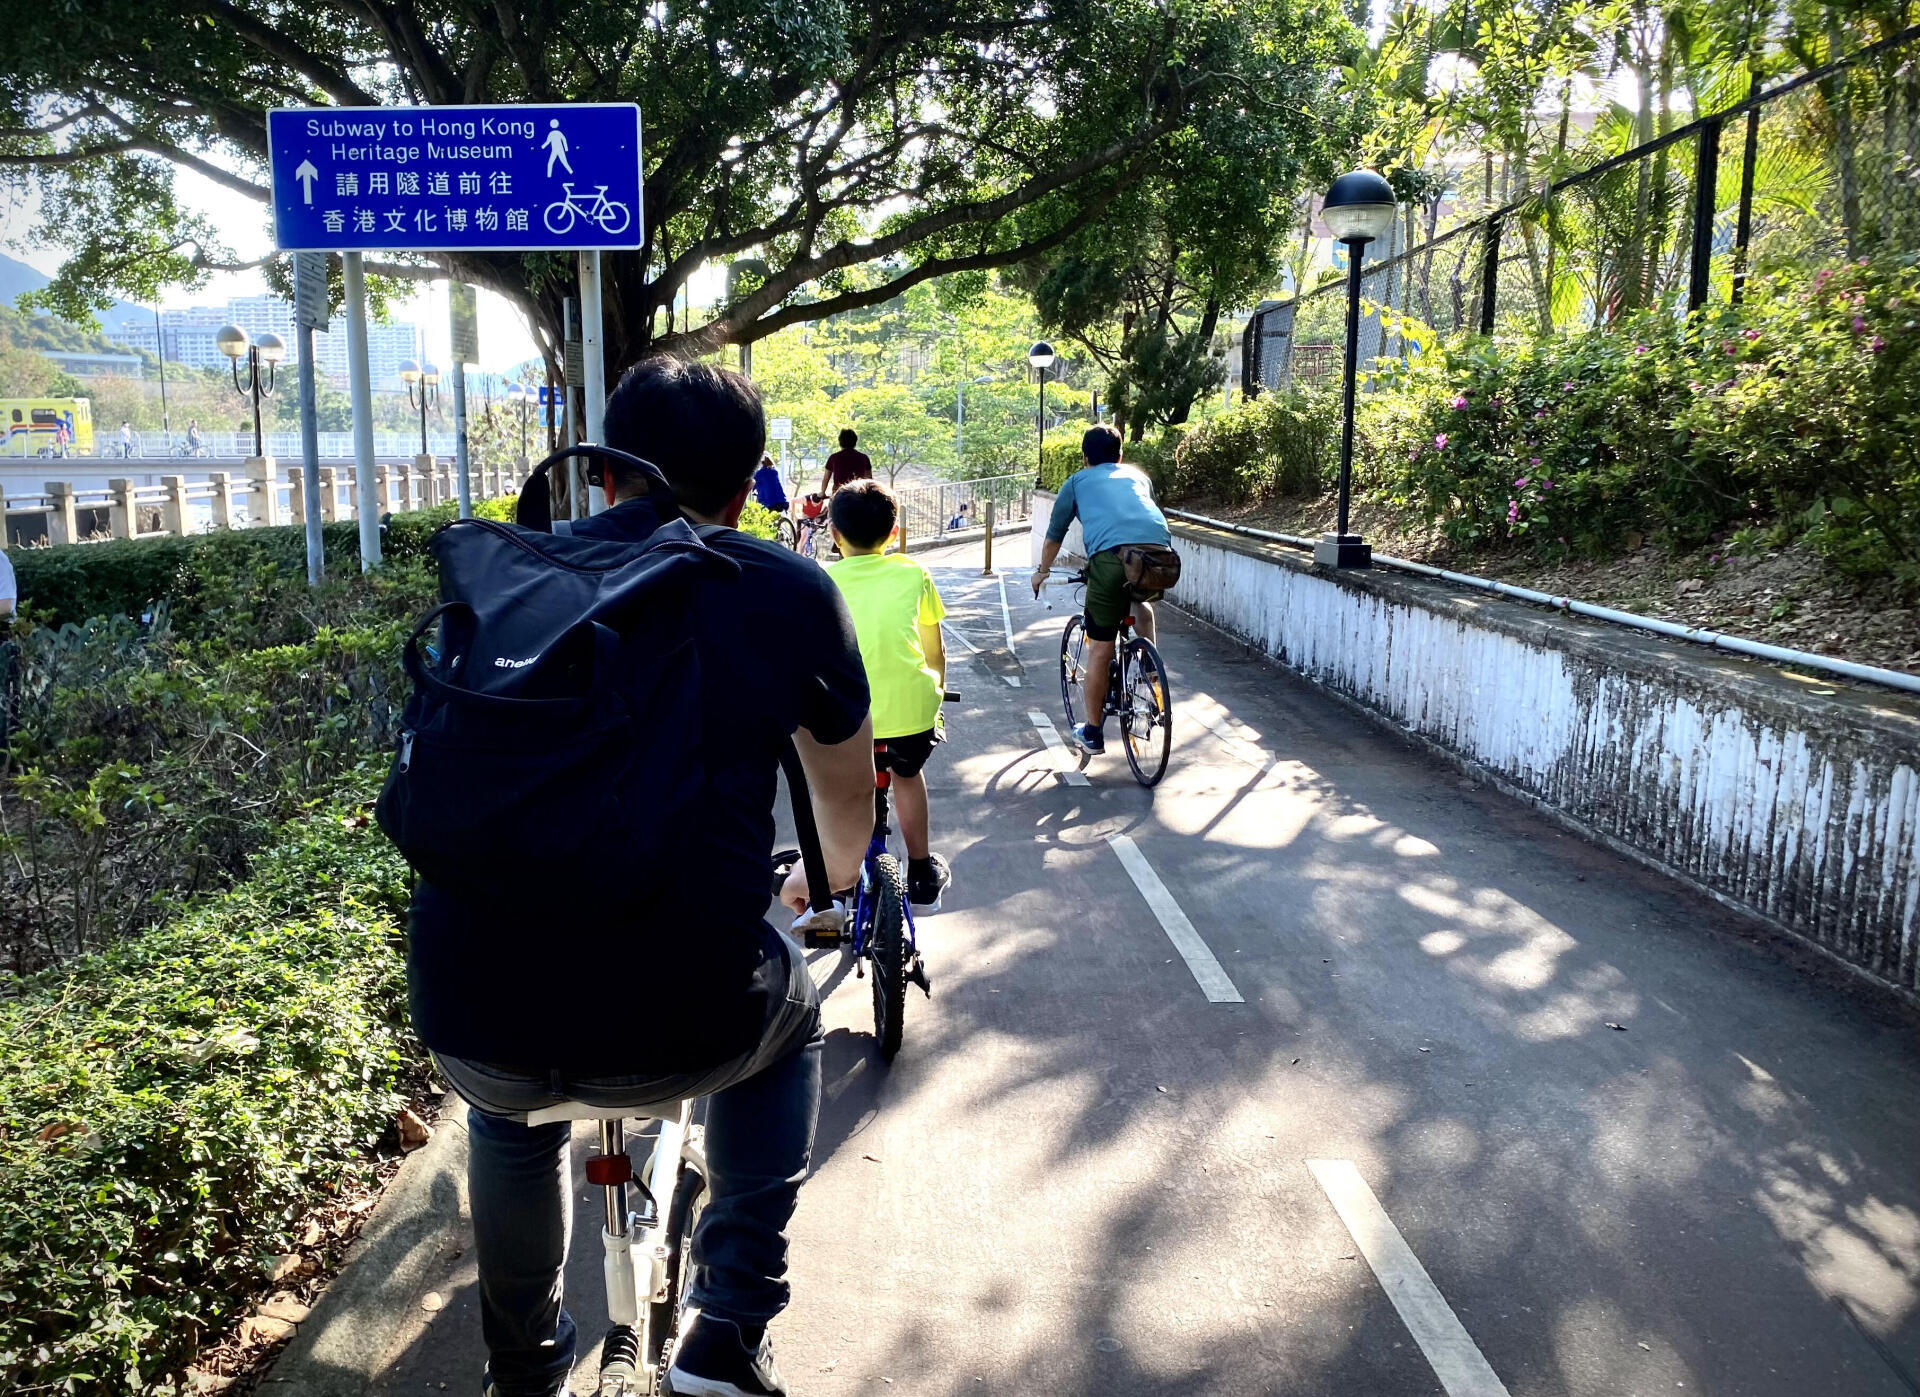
(174, 1107)
(1059, 458)
(758, 520)
(1801, 404)
(1283, 444)
(1062, 457)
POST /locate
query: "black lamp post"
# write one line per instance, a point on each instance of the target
(1041, 356)
(268, 349)
(428, 378)
(1357, 210)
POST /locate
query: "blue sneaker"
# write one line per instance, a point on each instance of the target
(1091, 737)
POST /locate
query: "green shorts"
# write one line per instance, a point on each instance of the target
(1108, 600)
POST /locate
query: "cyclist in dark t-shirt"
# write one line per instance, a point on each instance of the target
(846, 464)
(686, 991)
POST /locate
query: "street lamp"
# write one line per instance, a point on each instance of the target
(427, 378)
(268, 349)
(1357, 210)
(1041, 356)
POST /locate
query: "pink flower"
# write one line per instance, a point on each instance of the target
(1877, 344)
(1541, 413)
(1639, 349)
(1567, 387)
(1513, 511)
(1859, 325)
(1440, 442)
(1548, 484)
(1753, 334)
(1731, 348)
(1520, 484)
(1823, 277)
(1460, 403)
(1533, 460)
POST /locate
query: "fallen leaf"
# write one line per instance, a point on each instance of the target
(1160, 1089)
(1647, 1347)
(291, 1266)
(433, 1301)
(871, 1158)
(414, 1132)
(1617, 1027)
(1426, 1050)
(48, 1134)
(285, 1307)
(263, 1329)
(311, 1234)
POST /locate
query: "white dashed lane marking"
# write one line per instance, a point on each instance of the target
(1207, 971)
(1457, 1361)
(1065, 764)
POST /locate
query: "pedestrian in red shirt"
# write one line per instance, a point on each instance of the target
(846, 464)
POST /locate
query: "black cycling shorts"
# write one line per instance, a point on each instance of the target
(904, 756)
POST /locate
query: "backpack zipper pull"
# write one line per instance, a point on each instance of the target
(406, 749)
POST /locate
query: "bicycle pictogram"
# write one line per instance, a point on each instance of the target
(561, 214)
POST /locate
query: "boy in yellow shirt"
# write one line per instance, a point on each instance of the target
(896, 614)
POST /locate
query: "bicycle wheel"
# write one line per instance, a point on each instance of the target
(787, 534)
(663, 1323)
(1146, 712)
(1073, 671)
(612, 217)
(888, 947)
(562, 221)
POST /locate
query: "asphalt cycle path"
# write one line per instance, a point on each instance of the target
(1319, 1071)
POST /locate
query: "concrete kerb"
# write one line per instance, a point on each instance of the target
(371, 1311)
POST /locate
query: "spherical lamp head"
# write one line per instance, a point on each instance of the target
(430, 375)
(1359, 207)
(1041, 356)
(272, 348)
(409, 371)
(231, 341)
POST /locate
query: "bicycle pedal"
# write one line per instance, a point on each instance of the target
(917, 975)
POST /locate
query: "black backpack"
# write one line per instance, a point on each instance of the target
(553, 736)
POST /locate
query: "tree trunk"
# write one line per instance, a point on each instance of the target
(1834, 89)
(1209, 321)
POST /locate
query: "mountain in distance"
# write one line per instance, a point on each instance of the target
(17, 278)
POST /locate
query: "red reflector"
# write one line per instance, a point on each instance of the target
(607, 1169)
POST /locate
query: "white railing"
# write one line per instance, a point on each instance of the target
(63, 513)
(234, 446)
(955, 506)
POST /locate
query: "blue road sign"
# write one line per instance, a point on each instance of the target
(438, 179)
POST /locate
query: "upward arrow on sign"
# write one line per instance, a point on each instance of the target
(306, 174)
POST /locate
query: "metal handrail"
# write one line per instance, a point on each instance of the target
(1719, 640)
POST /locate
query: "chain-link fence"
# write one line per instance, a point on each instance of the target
(1817, 168)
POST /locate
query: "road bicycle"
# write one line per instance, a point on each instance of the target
(597, 208)
(646, 1250)
(1137, 692)
(879, 927)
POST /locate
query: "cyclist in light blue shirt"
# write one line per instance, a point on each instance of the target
(1114, 504)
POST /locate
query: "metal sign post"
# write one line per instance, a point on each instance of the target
(593, 355)
(366, 507)
(464, 344)
(310, 314)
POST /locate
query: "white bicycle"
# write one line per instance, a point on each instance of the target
(647, 1250)
(561, 214)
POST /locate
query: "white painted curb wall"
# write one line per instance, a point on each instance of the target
(1797, 802)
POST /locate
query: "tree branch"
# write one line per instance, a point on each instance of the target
(325, 75)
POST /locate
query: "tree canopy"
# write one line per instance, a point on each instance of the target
(822, 139)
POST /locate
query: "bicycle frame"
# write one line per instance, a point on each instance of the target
(636, 1248)
(865, 902)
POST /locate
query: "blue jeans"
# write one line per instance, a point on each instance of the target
(759, 1143)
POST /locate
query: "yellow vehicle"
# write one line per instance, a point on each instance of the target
(33, 426)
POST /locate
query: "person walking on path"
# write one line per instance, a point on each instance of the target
(846, 464)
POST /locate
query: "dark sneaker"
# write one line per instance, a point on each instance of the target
(1090, 737)
(927, 880)
(712, 1360)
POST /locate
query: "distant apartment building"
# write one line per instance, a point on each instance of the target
(189, 338)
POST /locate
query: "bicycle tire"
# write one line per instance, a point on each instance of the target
(565, 226)
(1073, 670)
(1147, 752)
(887, 946)
(787, 534)
(610, 224)
(663, 1323)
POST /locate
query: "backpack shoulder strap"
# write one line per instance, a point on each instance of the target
(563, 527)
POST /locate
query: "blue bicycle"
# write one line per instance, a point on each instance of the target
(879, 924)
